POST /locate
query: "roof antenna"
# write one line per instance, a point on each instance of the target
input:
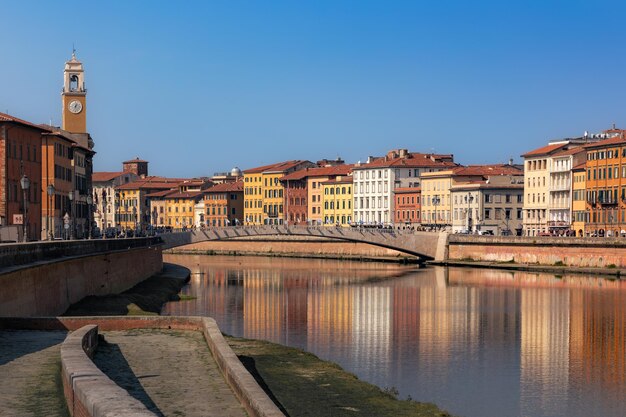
(73, 51)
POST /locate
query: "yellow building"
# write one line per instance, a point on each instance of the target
(436, 204)
(337, 201)
(579, 204)
(132, 206)
(264, 193)
(179, 208)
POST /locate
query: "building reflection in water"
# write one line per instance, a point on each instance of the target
(476, 342)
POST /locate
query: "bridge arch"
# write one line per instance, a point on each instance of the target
(425, 245)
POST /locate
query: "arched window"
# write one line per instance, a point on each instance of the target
(73, 82)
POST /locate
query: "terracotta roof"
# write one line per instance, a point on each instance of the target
(486, 170)
(277, 167)
(343, 180)
(161, 193)
(571, 151)
(4, 117)
(606, 142)
(412, 160)
(580, 167)
(344, 169)
(151, 183)
(185, 194)
(407, 190)
(226, 187)
(545, 150)
(105, 176)
(134, 160)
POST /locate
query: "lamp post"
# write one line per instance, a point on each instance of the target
(135, 219)
(468, 199)
(50, 190)
(436, 200)
(155, 217)
(25, 183)
(89, 203)
(71, 197)
(117, 214)
(104, 214)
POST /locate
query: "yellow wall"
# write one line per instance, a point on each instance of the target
(337, 204)
(253, 198)
(436, 184)
(179, 212)
(273, 200)
(536, 198)
(315, 191)
(129, 199)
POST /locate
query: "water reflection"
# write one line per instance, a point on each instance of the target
(476, 342)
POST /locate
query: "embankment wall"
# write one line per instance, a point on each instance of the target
(571, 252)
(48, 288)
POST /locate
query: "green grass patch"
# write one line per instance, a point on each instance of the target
(611, 266)
(303, 385)
(559, 263)
(184, 297)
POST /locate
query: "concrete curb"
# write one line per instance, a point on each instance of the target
(88, 391)
(250, 394)
(82, 380)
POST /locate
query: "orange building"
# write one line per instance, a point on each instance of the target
(223, 204)
(605, 184)
(407, 206)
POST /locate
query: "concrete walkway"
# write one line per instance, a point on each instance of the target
(172, 372)
(30, 374)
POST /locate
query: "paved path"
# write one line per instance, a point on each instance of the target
(30, 374)
(171, 372)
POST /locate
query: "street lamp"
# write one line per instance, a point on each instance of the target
(50, 190)
(71, 197)
(89, 203)
(25, 183)
(104, 214)
(469, 198)
(436, 200)
(135, 219)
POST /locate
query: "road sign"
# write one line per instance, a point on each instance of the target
(18, 219)
(66, 226)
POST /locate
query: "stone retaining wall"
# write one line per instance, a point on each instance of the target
(48, 288)
(571, 252)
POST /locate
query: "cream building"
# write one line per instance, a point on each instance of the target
(375, 181)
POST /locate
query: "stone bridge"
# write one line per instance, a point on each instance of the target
(426, 245)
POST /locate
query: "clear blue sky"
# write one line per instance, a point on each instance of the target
(199, 87)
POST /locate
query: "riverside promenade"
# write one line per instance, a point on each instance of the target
(171, 372)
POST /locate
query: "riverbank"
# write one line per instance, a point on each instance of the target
(300, 247)
(301, 383)
(610, 273)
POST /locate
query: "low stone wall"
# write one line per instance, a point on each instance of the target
(250, 394)
(48, 288)
(88, 391)
(572, 252)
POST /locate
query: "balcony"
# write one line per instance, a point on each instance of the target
(562, 186)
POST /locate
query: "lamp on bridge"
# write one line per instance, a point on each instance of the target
(50, 191)
(89, 205)
(25, 183)
(70, 195)
(468, 199)
(436, 200)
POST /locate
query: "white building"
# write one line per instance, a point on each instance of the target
(375, 181)
(103, 185)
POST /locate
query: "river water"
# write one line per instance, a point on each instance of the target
(476, 342)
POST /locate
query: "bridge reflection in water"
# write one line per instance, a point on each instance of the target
(476, 342)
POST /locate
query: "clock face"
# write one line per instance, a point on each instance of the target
(75, 106)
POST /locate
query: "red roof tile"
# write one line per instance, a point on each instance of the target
(486, 170)
(277, 167)
(407, 190)
(161, 193)
(134, 160)
(343, 180)
(343, 169)
(580, 167)
(151, 183)
(105, 176)
(226, 187)
(617, 140)
(8, 118)
(411, 160)
(545, 150)
(184, 194)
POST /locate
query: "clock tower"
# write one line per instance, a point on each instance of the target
(73, 97)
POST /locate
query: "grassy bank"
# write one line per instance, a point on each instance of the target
(303, 385)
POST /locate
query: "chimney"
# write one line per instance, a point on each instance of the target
(511, 161)
(403, 153)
